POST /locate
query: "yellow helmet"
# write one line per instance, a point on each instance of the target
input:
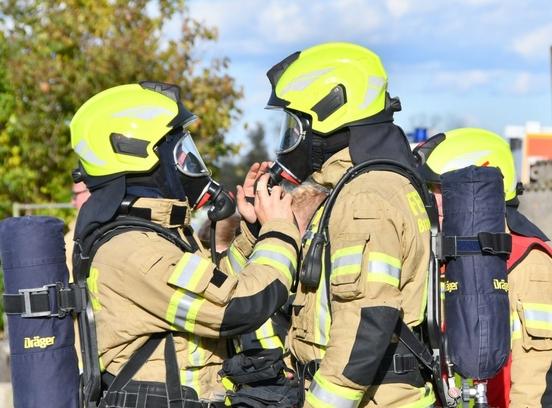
(116, 130)
(465, 147)
(335, 84)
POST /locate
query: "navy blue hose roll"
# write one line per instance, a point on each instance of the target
(44, 366)
(477, 311)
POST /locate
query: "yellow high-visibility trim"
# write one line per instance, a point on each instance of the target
(102, 365)
(382, 278)
(388, 259)
(538, 324)
(183, 267)
(537, 306)
(346, 270)
(315, 402)
(170, 316)
(92, 284)
(352, 250)
(344, 392)
(191, 316)
(279, 250)
(276, 265)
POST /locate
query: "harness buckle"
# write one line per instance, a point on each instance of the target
(398, 366)
(59, 311)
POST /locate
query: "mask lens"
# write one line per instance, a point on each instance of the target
(187, 158)
(291, 133)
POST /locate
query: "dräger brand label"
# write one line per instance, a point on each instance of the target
(39, 342)
(500, 284)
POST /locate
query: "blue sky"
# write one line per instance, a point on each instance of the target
(453, 63)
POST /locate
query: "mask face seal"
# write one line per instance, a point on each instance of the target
(196, 179)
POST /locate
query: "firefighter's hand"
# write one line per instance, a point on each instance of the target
(246, 194)
(276, 205)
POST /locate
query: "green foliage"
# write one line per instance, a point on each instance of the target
(55, 55)
(233, 172)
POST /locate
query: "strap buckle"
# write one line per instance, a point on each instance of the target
(44, 290)
(398, 366)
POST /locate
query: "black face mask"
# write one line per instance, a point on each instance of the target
(310, 154)
(198, 190)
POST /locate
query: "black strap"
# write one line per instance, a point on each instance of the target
(53, 300)
(489, 243)
(138, 359)
(416, 347)
(172, 376)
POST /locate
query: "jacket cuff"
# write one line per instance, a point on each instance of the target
(284, 227)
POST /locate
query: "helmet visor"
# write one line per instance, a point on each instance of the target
(187, 158)
(292, 132)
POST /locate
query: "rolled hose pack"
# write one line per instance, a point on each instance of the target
(44, 368)
(477, 311)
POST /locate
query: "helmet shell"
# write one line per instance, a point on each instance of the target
(320, 70)
(116, 130)
(465, 147)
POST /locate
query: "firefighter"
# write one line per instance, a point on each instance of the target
(529, 267)
(337, 114)
(139, 161)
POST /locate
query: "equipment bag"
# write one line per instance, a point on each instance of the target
(44, 367)
(476, 247)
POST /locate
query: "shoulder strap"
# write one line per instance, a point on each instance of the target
(85, 250)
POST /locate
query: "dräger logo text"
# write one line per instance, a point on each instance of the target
(40, 342)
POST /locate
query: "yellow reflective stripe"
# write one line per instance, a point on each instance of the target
(276, 256)
(538, 315)
(188, 271)
(383, 268)
(515, 326)
(102, 365)
(235, 259)
(92, 284)
(322, 312)
(196, 360)
(427, 398)
(347, 260)
(323, 393)
(267, 336)
(183, 309)
(424, 300)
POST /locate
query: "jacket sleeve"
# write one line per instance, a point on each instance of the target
(365, 298)
(186, 292)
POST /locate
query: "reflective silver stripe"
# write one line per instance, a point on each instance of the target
(324, 313)
(188, 271)
(385, 268)
(84, 151)
(234, 262)
(184, 306)
(346, 260)
(538, 315)
(331, 398)
(195, 355)
(303, 81)
(275, 256)
(143, 112)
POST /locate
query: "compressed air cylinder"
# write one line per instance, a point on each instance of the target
(44, 369)
(476, 290)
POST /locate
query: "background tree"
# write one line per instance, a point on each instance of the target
(233, 171)
(57, 54)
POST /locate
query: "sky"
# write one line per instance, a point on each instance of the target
(453, 63)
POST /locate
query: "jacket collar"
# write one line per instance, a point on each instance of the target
(333, 169)
(168, 213)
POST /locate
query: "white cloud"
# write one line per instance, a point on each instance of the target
(535, 43)
(398, 8)
(463, 80)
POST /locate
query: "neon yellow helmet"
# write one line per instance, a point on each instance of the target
(335, 84)
(116, 130)
(465, 147)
